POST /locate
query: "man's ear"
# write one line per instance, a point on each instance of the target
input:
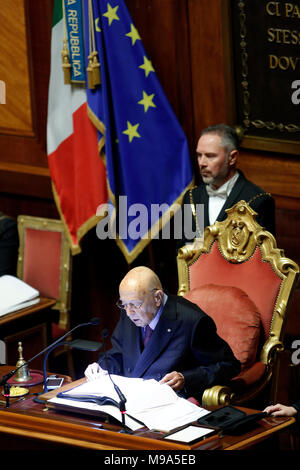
(159, 297)
(232, 159)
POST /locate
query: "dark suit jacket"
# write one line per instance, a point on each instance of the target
(9, 243)
(260, 202)
(184, 340)
(297, 406)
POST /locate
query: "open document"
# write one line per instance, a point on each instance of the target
(148, 403)
(15, 294)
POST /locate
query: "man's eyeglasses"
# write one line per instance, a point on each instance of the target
(132, 305)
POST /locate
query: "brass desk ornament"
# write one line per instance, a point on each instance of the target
(22, 375)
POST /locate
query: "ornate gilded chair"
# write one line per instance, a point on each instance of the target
(244, 282)
(45, 263)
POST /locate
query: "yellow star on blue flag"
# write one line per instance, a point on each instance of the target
(133, 34)
(131, 131)
(147, 101)
(111, 14)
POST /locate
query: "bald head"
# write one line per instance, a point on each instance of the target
(141, 280)
(141, 293)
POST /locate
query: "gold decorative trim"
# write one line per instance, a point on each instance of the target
(198, 240)
(248, 122)
(154, 230)
(39, 223)
(272, 126)
(82, 230)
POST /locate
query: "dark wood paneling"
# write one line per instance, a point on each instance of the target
(207, 63)
(16, 115)
(23, 160)
(276, 173)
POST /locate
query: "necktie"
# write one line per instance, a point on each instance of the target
(148, 333)
(222, 193)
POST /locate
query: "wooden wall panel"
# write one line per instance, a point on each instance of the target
(15, 116)
(23, 159)
(276, 173)
(207, 63)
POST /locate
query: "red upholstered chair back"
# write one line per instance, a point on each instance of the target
(42, 254)
(44, 258)
(244, 282)
(236, 317)
(254, 276)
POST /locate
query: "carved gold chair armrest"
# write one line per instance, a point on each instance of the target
(217, 395)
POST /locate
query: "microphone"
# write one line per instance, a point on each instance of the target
(93, 321)
(122, 398)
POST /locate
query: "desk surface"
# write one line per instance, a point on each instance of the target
(41, 305)
(25, 418)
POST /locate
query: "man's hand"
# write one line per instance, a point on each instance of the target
(280, 410)
(174, 379)
(94, 371)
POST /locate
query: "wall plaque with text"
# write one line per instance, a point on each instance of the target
(266, 49)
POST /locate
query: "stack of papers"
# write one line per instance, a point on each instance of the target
(149, 403)
(15, 294)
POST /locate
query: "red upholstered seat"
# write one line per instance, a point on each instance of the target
(244, 282)
(45, 263)
(255, 277)
(238, 322)
(249, 377)
(42, 261)
(236, 317)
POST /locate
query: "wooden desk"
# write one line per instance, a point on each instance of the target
(43, 303)
(27, 423)
(29, 325)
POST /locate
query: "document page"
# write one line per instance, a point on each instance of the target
(190, 434)
(14, 293)
(154, 404)
(108, 409)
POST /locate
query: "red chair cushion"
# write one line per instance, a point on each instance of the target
(249, 377)
(235, 315)
(42, 258)
(254, 276)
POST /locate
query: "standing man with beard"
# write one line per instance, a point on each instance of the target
(222, 184)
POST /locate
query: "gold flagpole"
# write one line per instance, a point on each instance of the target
(65, 51)
(93, 69)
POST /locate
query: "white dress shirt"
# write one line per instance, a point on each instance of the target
(217, 197)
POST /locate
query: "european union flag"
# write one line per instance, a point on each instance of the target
(145, 150)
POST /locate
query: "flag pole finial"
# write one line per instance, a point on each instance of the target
(93, 68)
(65, 56)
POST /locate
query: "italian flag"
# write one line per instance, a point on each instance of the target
(77, 172)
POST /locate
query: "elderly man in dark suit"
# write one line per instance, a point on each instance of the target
(222, 185)
(183, 351)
